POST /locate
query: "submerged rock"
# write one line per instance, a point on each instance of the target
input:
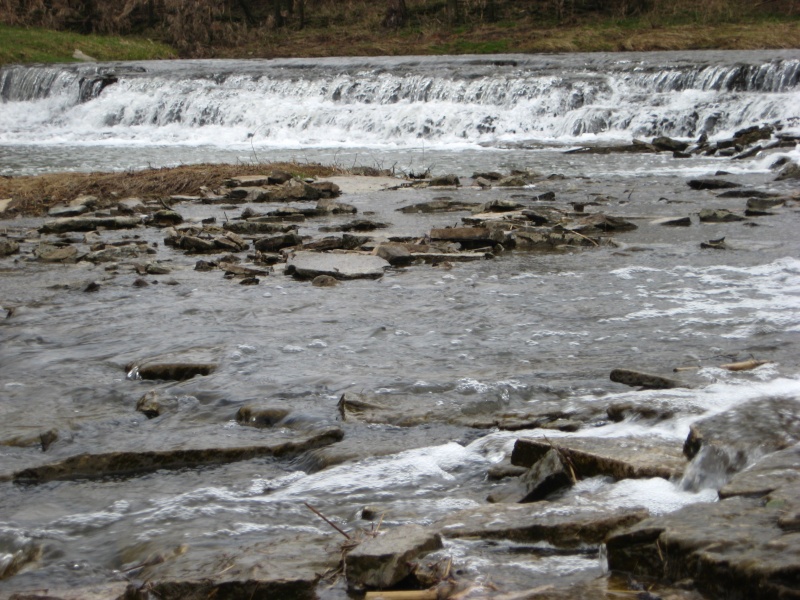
(178, 366)
(132, 463)
(385, 559)
(711, 184)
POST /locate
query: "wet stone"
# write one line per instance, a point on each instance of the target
(252, 227)
(191, 454)
(153, 404)
(439, 205)
(288, 567)
(775, 471)
(308, 265)
(261, 416)
(720, 215)
(395, 254)
(548, 475)
(8, 247)
(382, 561)
(89, 224)
(673, 222)
(734, 548)
(623, 458)
(711, 184)
(643, 380)
(56, 254)
(178, 366)
(324, 281)
(536, 522)
(753, 428)
(278, 242)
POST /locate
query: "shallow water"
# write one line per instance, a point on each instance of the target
(524, 329)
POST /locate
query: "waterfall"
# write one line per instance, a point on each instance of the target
(444, 101)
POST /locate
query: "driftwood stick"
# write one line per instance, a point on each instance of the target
(745, 365)
(326, 519)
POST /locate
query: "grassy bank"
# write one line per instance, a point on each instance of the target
(31, 45)
(361, 33)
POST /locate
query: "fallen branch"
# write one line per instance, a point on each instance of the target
(326, 519)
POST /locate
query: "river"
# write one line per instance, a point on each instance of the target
(523, 330)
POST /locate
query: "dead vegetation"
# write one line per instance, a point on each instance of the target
(34, 195)
(280, 28)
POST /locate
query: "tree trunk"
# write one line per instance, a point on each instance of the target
(453, 12)
(396, 14)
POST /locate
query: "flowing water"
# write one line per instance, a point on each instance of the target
(521, 330)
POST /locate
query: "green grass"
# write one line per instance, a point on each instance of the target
(21, 45)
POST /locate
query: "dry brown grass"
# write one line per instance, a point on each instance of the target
(34, 195)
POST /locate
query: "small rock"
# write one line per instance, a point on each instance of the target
(395, 254)
(711, 184)
(673, 222)
(324, 281)
(445, 180)
(278, 242)
(384, 560)
(644, 380)
(61, 254)
(308, 265)
(261, 416)
(8, 247)
(719, 215)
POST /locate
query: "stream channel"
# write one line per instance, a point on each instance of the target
(455, 348)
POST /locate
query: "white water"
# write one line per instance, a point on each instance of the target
(450, 103)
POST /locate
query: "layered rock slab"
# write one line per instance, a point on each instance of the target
(559, 525)
(132, 462)
(620, 458)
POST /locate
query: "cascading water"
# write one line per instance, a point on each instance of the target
(384, 103)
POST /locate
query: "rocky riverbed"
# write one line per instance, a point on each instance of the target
(241, 416)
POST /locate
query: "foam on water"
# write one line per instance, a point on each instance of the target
(391, 105)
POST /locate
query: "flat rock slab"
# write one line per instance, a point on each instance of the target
(756, 427)
(140, 460)
(382, 561)
(89, 224)
(558, 525)
(773, 472)
(734, 548)
(307, 265)
(287, 567)
(363, 184)
(412, 410)
(620, 458)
